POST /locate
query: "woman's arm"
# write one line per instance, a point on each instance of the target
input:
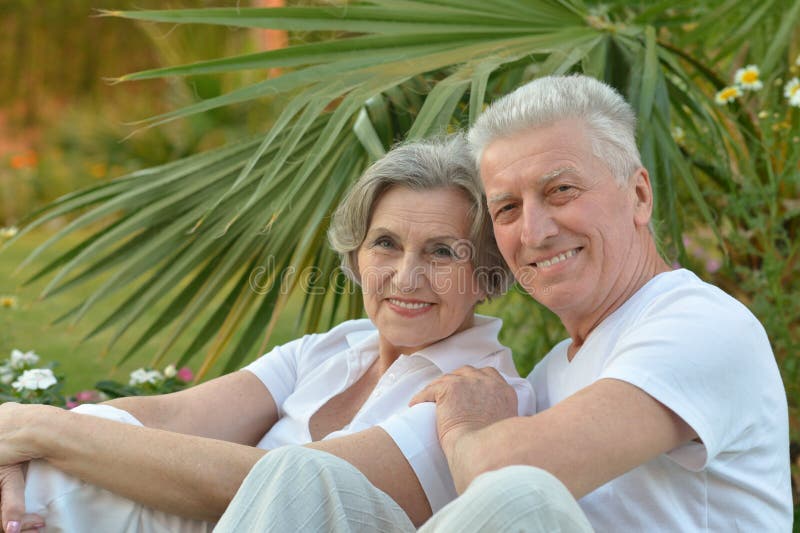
(235, 407)
(182, 474)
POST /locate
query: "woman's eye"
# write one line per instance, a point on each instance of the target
(383, 242)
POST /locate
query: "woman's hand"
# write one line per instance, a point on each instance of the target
(17, 427)
(13, 461)
(12, 501)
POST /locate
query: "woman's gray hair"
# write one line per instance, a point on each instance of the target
(545, 101)
(421, 166)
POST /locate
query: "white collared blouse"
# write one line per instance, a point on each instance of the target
(304, 374)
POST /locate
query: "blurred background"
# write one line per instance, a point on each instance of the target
(65, 126)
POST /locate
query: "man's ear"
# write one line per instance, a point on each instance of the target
(643, 197)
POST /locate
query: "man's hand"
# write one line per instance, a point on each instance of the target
(467, 400)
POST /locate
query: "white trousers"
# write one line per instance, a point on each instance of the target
(70, 505)
(298, 489)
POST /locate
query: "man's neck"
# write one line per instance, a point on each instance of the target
(581, 325)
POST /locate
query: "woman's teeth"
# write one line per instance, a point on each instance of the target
(408, 305)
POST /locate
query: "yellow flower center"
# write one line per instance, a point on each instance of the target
(730, 92)
(750, 76)
(794, 90)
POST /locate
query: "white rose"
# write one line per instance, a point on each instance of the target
(20, 359)
(170, 371)
(141, 376)
(6, 374)
(35, 379)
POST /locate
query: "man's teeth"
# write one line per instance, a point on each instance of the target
(556, 259)
(408, 305)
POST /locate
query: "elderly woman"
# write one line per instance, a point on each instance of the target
(412, 232)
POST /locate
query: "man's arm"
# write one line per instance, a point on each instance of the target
(586, 440)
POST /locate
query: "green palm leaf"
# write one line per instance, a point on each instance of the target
(193, 235)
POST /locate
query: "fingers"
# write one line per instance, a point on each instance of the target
(432, 392)
(32, 522)
(429, 394)
(12, 502)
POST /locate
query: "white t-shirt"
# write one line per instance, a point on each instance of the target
(703, 354)
(304, 374)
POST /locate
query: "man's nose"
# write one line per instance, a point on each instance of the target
(537, 226)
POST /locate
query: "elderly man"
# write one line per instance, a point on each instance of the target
(663, 411)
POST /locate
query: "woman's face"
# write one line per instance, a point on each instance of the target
(416, 268)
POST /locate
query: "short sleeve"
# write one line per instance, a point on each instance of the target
(414, 432)
(703, 361)
(277, 369)
(526, 399)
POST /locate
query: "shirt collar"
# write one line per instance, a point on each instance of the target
(463, 348)
(466, 347)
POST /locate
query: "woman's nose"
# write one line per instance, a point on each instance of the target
(409, 274)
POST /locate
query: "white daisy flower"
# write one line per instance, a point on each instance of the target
(748, 78)
(7, 233)
(727, 95)
(792, 91)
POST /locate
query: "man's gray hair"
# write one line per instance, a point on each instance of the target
(542, 102)
(421, 166)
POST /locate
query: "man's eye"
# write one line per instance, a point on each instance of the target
(443, 251)
(504, 209)
(563, 188)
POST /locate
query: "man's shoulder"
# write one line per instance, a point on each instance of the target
(681, 295)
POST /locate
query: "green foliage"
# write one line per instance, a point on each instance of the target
(213, 235)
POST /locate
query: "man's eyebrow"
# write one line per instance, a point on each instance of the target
(542, 180)
(553, 174)
(502, 197)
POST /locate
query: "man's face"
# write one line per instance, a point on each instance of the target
(563, 223)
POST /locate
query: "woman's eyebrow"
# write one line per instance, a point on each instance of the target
(380, 230)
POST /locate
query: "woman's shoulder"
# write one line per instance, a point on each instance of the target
(341, 337)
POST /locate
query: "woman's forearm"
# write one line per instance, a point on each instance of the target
(181, 474)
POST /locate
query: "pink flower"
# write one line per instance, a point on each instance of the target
(185, 374)
(712, 265)
(87, 396)
(72, 405)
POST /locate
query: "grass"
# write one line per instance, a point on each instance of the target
(30, 325)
